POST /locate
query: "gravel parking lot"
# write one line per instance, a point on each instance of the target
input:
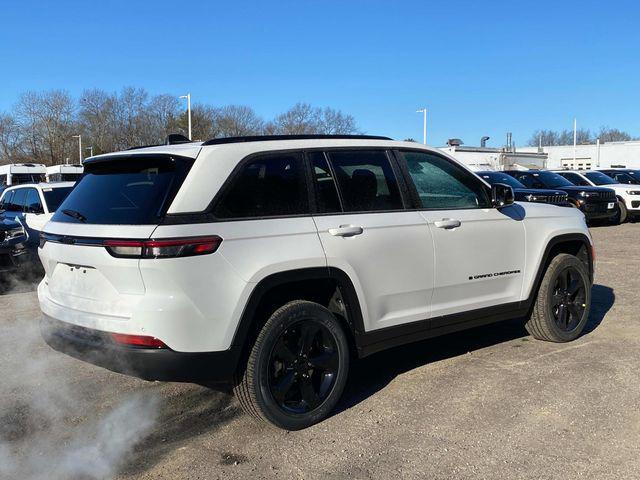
(487, 403)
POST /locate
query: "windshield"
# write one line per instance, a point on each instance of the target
(496, 177)
(599, 178)
(19, 178)
(55, 196)
(124, 191)
(624, 177)
(552, 180)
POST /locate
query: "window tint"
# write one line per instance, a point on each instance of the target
(33, 204)
(124, 191)
(55, 196)
(366, 180)
(269, 185)
(599, 178)
(529, 181)
(575, 179)
(6, 200)
(19, 200)
(442, 184)
(326, 192)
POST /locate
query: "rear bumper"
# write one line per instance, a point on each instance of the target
(97, 347)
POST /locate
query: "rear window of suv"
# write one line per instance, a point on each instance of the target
(124, 191)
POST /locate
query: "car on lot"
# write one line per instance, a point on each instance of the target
(623, 175)
(29, 207)
(628, 198)
(19, 173)
(266, 263)
(522, 193)
(596, 203)
(12, 247)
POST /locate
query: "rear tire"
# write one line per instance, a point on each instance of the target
(563, 302)
(297, 368)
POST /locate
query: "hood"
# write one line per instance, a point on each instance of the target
(7, 223)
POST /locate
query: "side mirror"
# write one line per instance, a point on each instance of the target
(501, 195)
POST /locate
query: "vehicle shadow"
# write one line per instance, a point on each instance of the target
(371, 374)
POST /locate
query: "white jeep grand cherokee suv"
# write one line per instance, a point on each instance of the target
(267, 262)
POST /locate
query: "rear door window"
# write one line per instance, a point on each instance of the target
(134, 190)
(268, 185)
(366, 180)
(327, 199)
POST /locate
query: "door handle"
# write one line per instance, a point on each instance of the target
(346, 231)
(447, 223)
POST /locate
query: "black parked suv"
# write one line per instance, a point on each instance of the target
(623, 175)
(522, 193)
(597, 203)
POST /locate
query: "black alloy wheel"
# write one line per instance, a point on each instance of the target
(568, 299)
(303, 366)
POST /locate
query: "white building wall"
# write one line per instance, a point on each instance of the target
(621, 154)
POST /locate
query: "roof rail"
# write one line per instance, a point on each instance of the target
(144, 146)
(265, 138)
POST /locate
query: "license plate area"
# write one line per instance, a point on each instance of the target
(80, 281)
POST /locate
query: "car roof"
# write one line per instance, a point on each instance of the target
(41, 185)
(265, 143)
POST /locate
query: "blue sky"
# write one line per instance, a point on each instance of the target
(481, 68)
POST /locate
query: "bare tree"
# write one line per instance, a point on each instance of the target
(302, 118)
(47, 124)
(607, 134)
(237, 120)
(42, 124)
(546, 137)
(10, 148)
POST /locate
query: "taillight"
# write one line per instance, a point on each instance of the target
(170, 248)
(138, 340)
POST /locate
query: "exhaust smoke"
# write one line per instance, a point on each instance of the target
(45, 430)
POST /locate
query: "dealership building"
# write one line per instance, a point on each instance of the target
(582, 157)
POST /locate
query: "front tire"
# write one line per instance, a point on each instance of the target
(297, 368)
(622, 214)
(563, 302)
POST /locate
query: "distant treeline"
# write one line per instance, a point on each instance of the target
(583, 136)
(41, 126)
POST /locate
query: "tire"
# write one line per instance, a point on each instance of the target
(547, 321)
(297, 368)
(622, 214)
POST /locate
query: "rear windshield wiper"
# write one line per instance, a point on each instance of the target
(76, 215)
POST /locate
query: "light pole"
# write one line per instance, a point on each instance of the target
(188, 97)
(424, 124)
(90, 151)
(79, 137)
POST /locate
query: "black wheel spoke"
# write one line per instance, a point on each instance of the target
(309, 395)
(282, 387)
(562, 315)
(325, 361)
(556, 299)
(307, 336)
(283, 352)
